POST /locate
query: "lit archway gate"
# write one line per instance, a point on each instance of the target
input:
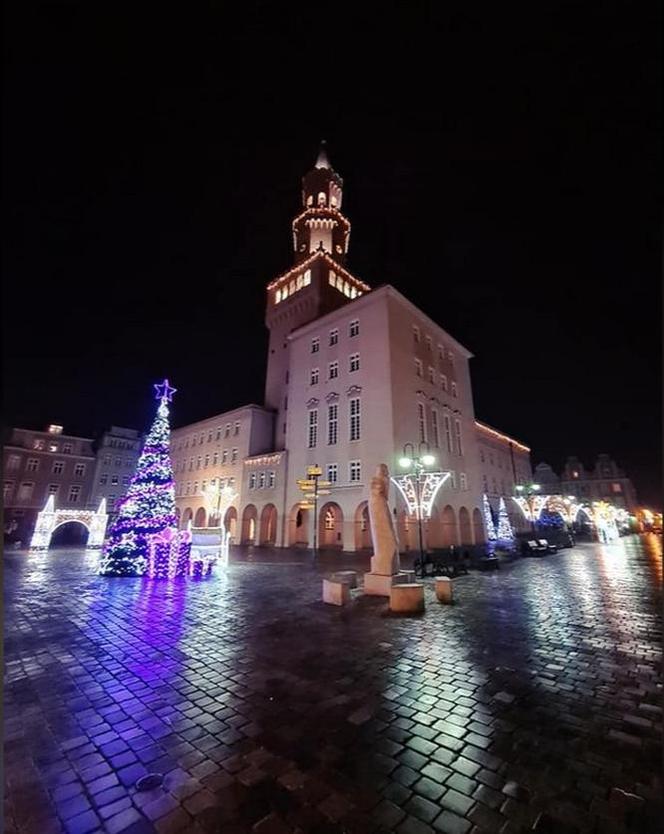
(49, 519)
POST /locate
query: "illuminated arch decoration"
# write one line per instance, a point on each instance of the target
(604, 517)
(531, 507)
(432, 482)
(49, 519)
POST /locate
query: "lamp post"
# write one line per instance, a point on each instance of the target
(416, 465)
(528, 491)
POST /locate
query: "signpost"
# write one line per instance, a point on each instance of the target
(312, 487)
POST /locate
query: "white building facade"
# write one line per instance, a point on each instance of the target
(353, 375)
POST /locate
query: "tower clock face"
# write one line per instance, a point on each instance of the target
(338, 248)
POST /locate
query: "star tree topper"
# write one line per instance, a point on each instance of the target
(164, 391)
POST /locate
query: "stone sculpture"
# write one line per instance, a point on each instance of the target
(385, 561)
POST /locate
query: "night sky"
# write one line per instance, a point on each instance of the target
(502, 172)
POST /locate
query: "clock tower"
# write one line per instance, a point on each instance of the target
(317, 283)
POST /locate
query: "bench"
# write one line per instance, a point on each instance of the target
(533, 548)
(442, 561)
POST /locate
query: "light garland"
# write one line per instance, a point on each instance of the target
(499, 436)
(429, 489)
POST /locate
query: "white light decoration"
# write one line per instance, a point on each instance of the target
(532, 506)
(49, 519)
(429, 486)
(219, 499)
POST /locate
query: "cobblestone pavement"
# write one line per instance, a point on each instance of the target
(532, 703)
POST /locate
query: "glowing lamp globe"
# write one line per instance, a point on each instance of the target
(428, 460)
(404, 463)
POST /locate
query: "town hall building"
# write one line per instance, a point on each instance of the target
(354, 374)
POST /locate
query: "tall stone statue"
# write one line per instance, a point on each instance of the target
(385, 561)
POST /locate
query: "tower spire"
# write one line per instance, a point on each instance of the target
(321, 160)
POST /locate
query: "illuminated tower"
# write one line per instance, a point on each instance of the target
(315, 285)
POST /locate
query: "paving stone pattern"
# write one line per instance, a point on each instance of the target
(533, 703)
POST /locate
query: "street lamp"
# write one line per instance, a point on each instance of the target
(528, 491)
(417, 466)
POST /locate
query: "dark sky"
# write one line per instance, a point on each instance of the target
(503, 172)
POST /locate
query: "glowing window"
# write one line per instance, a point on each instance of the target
(292, 287)
(278, 296)
(321, 198)
(299, 282)
(307, 277)
(353, 292)
(332, 279)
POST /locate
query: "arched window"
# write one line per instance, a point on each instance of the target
(329, 519)
(310, 200)
(307, 277)
(321, 198)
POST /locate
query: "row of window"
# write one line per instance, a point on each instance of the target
(453, 441)
(354, 472)
(114, 443)
(107, 460)
(39, 444)
(333, 336)
(34, 464)
(333, 369)
(26, 490)
(343, 286)
(431, 376)
(260, 480)
(354, 423)
(443, 354)
(114, 479)
(292, 286)
(186, 489)
(212, 434)
(207, 460)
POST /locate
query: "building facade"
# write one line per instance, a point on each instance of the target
(605, 481)
(353, 375)
(504, 463)
(117, 453)
(38, 464)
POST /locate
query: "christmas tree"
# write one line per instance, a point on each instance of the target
(149, 505)
(505, 532)
(488, 520)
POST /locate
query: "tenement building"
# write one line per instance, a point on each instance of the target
(605, 481)
(38, 464)
(354, 374)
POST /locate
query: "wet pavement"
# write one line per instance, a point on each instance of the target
(533, 703)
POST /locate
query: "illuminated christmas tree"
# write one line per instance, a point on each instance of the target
(149, 505)
(505, 532)
(488, 520)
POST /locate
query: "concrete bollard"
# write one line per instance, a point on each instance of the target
(336, 593)
(407, 598)
(347, 576)
(444, 589)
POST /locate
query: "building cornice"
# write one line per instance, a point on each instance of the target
(500, 436)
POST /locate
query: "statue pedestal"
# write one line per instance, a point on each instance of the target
(380, 585)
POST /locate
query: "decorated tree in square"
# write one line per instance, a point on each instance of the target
(488, 520)
(505, 532)
(149, 505)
